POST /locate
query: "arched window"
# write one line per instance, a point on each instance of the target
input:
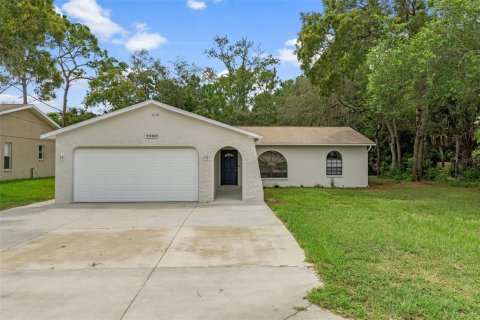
(272, 165)
(334, 163)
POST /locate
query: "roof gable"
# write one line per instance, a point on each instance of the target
(53, 134)
(11, 108)
(310, 136)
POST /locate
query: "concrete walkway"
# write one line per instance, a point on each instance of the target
(151, 261)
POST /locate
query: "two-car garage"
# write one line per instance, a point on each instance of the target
(135, 174)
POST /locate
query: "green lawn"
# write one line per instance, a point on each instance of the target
(392, 251)
(21, 192)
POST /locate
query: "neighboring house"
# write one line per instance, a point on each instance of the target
(24, 154)
(155, 152)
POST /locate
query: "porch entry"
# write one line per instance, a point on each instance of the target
(229, 167)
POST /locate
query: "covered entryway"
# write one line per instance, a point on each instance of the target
(135, 174)
(228, 175)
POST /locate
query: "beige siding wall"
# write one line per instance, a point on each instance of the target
(23, 129)
(174, 130)
(307, 166)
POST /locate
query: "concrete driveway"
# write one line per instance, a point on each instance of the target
(151, 261)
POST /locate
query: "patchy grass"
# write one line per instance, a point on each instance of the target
(397, 250)
(16, 193)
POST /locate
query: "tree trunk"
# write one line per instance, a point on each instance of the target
(421, 116)
(65, 104)
(377, 167)
(397, 142)
(392, 145)
(24, 89)
(442, 156)
(457, 154)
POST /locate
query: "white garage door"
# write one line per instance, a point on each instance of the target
(132, 175)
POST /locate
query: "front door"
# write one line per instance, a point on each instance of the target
(229, 167)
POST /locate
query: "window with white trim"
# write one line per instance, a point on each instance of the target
(41, 152)
(334, 163)
(7, 156)
(272, 165)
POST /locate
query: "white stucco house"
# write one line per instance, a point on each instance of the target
(155, 152)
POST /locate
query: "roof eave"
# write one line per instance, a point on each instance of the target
(36, 110)
(318, 144)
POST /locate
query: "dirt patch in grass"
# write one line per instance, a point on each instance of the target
(271, 201)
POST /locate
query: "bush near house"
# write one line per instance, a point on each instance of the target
(397, 250)
(16, 193)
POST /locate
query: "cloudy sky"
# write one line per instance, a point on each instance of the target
(185, 28)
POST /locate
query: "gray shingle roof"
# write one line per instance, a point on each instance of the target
(7, 107)
(309, 136)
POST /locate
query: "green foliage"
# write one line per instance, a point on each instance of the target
(248, 80)
(243, 94)
(72, 116)
(299, 103)
(398, 65)
(26, 28)
(111, 89)
(472, 174)
(436, 174)
(399, 174)
(118, 84)
(397, 250)
(476, 153)
(438, 66)
(77, 53)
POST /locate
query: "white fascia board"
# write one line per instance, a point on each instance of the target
(36, 110)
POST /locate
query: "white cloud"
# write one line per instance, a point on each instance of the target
(10, 98)
(196, 5)
(222, 73)
(95, 17)
(143, 39)
(291, 43)
(287, 55)
(142, 26)
(80, 84)
(57, 10)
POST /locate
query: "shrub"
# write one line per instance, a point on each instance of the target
(436, 174)
(472, 174)
(397, 174)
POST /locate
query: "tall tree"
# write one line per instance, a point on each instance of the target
(438, 66)
(333, 47)
(300, 104)
(117, 84)
(26, 27)
(76, 55)
(248, 72)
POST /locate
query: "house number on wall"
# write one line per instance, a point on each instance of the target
(151, 136)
